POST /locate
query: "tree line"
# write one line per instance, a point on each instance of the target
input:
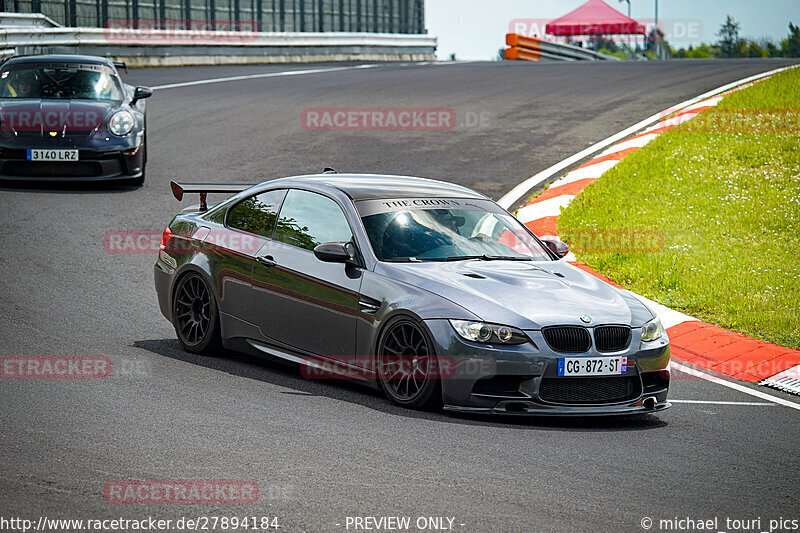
(731, 44)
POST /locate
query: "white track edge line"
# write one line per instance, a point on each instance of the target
(512, 196)
(715, 402)
(735, 386)
(257, 76)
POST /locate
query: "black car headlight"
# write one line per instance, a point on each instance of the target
(653, 330)
(488, 333)
(121, 123)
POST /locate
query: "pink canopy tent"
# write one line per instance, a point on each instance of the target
(595, 17)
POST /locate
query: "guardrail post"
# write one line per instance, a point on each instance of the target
(187, 15)
(103, 14)
(358, 15)
(162, 13)
(73, 13)
(135, 13)
(283, 15)
(321, 16)
(236, 16)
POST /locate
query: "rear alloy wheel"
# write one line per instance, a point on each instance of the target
(408, 367)
(194, 311)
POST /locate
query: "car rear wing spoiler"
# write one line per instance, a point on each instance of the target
(204, 188)
(121, 65)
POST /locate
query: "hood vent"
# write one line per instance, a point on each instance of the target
(473, 275)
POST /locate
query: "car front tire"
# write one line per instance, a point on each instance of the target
(408, 369)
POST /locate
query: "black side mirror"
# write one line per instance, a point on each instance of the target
(335, 252)
(141, 93)
(559, 248)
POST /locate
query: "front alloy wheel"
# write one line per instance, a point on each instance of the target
(407, 366)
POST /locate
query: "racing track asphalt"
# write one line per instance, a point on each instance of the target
(322, 451)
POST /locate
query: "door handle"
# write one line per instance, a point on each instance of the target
(267, 261)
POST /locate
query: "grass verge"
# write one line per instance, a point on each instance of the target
(724, 191)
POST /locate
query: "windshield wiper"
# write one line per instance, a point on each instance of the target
(486, 257)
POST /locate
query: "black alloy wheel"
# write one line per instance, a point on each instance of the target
(407, 366)
(195, 315)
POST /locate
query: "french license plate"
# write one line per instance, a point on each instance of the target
(52, 155)
(592, 366)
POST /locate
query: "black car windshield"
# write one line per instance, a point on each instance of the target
(446, 230)
(60, 82)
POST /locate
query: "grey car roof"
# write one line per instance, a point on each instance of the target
(61, 58)
(379, 186)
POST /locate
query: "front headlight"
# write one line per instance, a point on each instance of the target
(488, 333)
(121, 123)
(652, 330)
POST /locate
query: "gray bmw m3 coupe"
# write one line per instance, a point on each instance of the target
(425, 289)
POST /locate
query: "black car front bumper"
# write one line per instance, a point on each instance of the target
(523, 379)
(92, 165)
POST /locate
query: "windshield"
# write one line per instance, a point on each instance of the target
(60, 82)
(463, 230)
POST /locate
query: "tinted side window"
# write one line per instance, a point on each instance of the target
(308, 219)
(257, 214)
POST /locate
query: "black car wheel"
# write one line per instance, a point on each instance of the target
(195, 316)
(407, 366)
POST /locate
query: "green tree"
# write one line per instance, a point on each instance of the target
(730, 44)
(772, 50)
(754, 50)
(791, 45)
(703, 51)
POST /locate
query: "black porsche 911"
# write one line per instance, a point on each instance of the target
(70, 117)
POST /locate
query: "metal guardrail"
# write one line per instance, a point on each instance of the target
(369, 16)
(153, 47)
(535, 49)
(26, 20)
